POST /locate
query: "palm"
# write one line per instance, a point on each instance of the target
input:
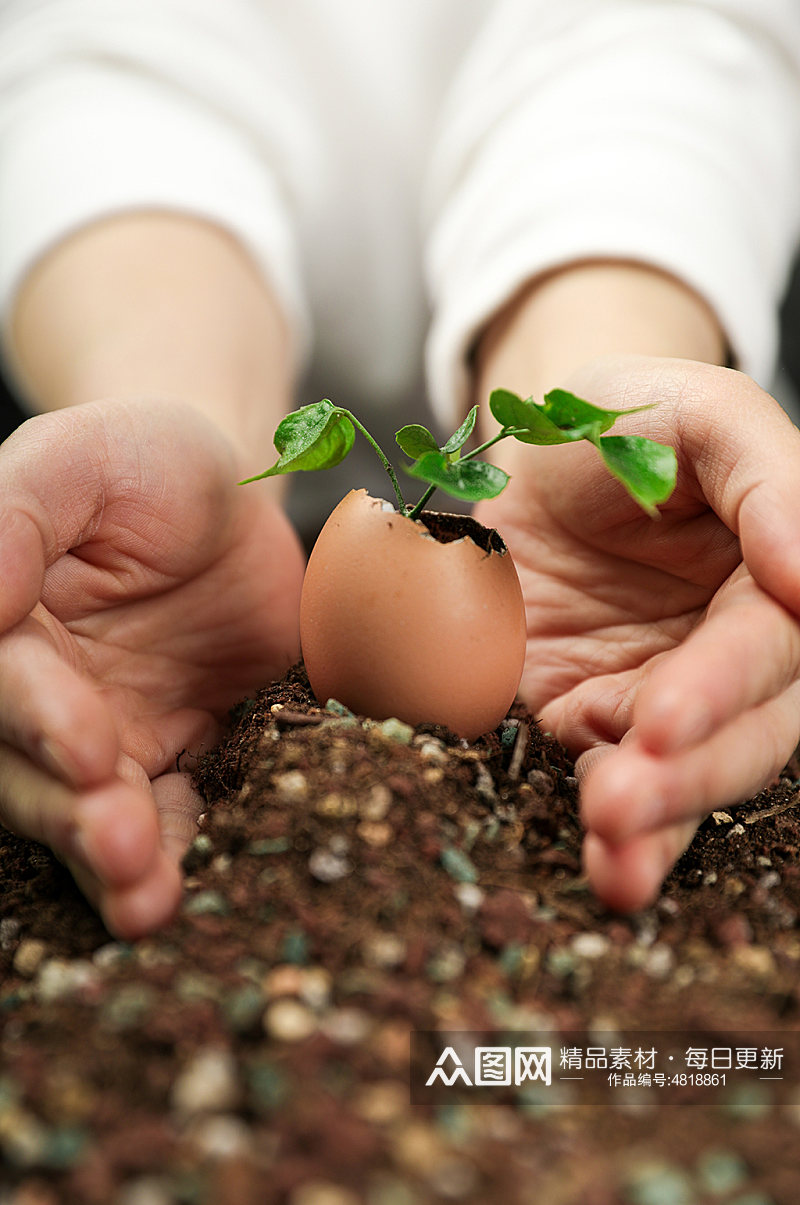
(172, 648)
(607, 589)
(664, 654)
(145, 593)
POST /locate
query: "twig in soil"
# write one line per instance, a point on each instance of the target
(519, 750)
(286, 718)
(774, 811)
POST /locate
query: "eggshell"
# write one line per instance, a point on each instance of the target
(395, 623)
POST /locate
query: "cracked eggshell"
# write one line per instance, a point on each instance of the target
(394, 622)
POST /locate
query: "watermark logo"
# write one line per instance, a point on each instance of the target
(494, 1066)
(591, 1068)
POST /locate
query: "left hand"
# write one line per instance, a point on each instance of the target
(665, 655)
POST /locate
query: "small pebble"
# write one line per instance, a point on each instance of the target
(590, 945)
(396, 730)
(315, 987)
(267, 1085)
(289, 1021)
(145, 1190)
(446, 964)
(484, 785)
(28, 956)
(541, 782)
(323, 1192)
(292, 786)
(111, 955)
(206, 903)
(384, 950)
(128, 1006)
(377, 803)
(458, 865)
(375, 834)
(382, 1101)
(23, 1138)
(207, 1084)
(561, 962)
(346, 1026)
(721, 1172)
(286, 980)
(58, 978)
(199, 853)
(756, 960)
(269, 845)
(243, 1007)
(659, 1184)
(384, 1189)
(294, 948)
(659, 961)
(221, 1137)
(454, 1179)
(335, 804)
(469, 895)
(432, 749)
(328, 867)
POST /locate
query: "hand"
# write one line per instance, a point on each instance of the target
(663, 654)
(144, 593)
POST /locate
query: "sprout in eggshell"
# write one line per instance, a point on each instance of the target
(416, 614)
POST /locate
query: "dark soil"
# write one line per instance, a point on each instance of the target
(351, 883)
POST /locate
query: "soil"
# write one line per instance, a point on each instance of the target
(354, 884)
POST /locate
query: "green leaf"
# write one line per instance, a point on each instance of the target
(318, 436)
(581, 419)
(416, 440)
(460, 437)
(647, 469)
(530, 424)
(469, 480)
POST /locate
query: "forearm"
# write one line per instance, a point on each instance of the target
(587, 310)
(156, 306)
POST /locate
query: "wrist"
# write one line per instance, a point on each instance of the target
(561, 321)
(160, 307)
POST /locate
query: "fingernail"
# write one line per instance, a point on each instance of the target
(56, 759)
(78, 849)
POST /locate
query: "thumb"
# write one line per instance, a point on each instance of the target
(733, 441)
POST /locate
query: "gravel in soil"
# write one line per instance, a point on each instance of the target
(353, 883)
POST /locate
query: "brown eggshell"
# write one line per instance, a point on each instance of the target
(395, 623)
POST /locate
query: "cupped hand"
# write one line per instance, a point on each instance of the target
(143, 593)
(665, 655)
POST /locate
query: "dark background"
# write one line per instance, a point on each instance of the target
(11, 414)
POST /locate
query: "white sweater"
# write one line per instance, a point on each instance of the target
(398, 168)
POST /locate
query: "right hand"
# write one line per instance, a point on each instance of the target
(143, 593)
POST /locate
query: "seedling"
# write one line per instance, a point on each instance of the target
(319, 436)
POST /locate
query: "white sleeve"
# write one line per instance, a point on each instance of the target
(116, 105)
(663, 131)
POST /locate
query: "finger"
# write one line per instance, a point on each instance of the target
(51, 712)
(598, 711)
(110, 831)
(139, 908)
(734, 440)
(633, 791)
(745, 652)
(178, 806)
(629, 876)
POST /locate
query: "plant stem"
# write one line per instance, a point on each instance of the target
(383, 459)
(503, 433)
